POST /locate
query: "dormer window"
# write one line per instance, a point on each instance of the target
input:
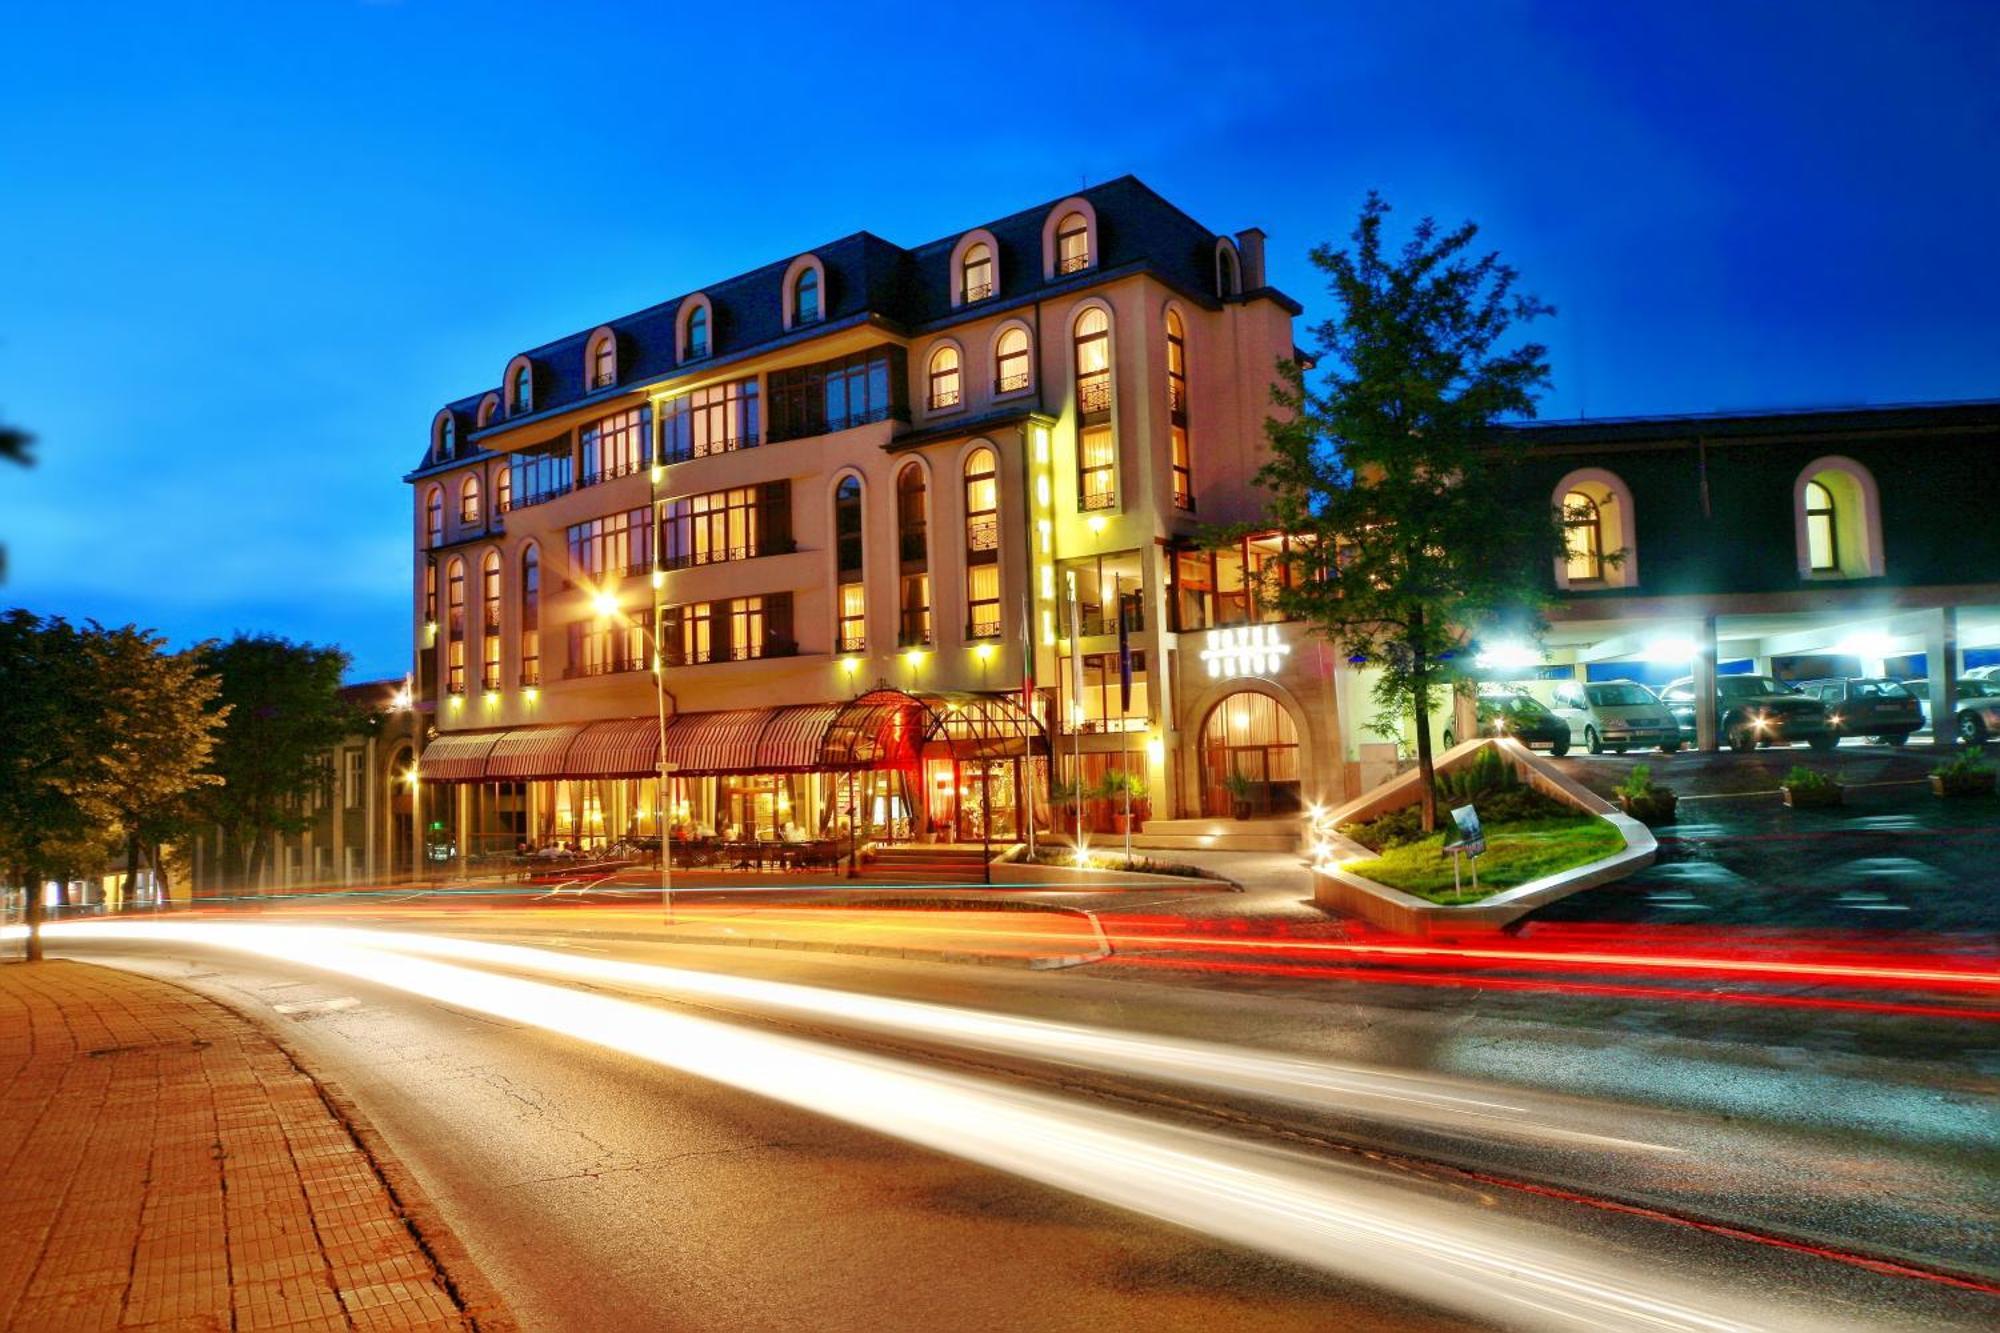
(448, 439)
(697, 333)
(976, 272)
(805, 297)
(1072, 244)
(603, 361)
(1228, 271)
(524, 390)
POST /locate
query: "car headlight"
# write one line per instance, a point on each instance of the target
(1833, 718)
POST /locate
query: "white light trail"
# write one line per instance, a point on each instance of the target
(1338, 1220)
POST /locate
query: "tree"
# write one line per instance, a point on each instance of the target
(156, 710)
(1392, 472)
(285, 713)
(14, 445)
(55, 794)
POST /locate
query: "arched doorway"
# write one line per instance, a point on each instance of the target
(1252, 734)
(400, 806)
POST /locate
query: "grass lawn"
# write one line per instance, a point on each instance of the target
(1515, 853)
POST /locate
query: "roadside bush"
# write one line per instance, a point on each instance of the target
(1809, 780)
(1639, 784)
(1515, 804)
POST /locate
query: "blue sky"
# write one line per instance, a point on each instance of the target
(246, 250)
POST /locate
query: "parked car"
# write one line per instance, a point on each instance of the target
(1881, 710)
(1752, 711)
(1616, 715)
(1504, 712)
(1982, 673)
(1978, 707)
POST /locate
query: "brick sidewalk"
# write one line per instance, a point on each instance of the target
(167, 1165)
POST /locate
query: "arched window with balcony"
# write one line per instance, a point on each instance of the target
(489, 408)
(1096, 440)
(850, 590)
(694, 330)
(447, 437)
(489, 621)
(468, 499)
(434, 518)
(976, 272)
(982, 544)
(524, 389)
(946, 391)
(1013, 367)
(1180, 449)
(1072, 244)
(454, 603)
(913, 601)
(603, 368)
(531, 615)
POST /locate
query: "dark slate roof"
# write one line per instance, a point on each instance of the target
(870, 278)
(1969, 414)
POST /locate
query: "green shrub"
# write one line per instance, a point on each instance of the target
(1638, 785)
(1966, 765)
(1806, 779)
(1487, 772)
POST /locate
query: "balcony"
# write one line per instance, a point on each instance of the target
(985, 624)
(914, 631)
(1072, 264)
(717, 555)
(611, 667)
(944, 400)
(805, 430)
(1011, 383)
(531, 675)
(982, 533)
(978, 291)
(1183, 500)
(1177, 397)
(603, 379)
(1093, 394)
(624, 467)
(681, 453)
(851, 643)
(1091, 500)
(532, 498)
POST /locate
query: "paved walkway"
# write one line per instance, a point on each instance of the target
(168, 1166)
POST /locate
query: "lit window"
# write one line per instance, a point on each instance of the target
(1097, 469)
(489, 596)
(853, 629)
(1583, 538)
(503, 489)
(468, 500)
(697, 332)
(982, 545)
(976, 272)
(434, 518)
(944, 379)
(1097, 452)
(851, 634)
(1822, 530)
(604, 362)
(1072, 244)
(805, 297)
(531, 617)
(455, 626)
(1182, 453)
(1010, 362)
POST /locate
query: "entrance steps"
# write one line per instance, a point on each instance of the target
(926, 863)
(1283, 833)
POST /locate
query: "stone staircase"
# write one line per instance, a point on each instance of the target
(926, 863)
(1280, 833)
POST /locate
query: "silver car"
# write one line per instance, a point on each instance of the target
(1616, 715)
(1977, 706)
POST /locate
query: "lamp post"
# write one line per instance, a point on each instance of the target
(404, 701)
(606, 606)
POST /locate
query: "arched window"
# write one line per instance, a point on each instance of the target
(434, 518)
(1839, 520)
(1180, 451)
(524, 389)
(1583, 538)
(1011, 366)
(945, 392)
(604, 361)
(913, 556)
(1228, 272)
(448, 438)
(976, 272)
(697, 332)
(489, 599)
(1096, 444)
(982, 545)
(468, 499)
(851, 630)
(1072, 244)
(503, 488)
(454, 583)
(805, 297)
(489, 407)
(1250, 735)
(531, 616)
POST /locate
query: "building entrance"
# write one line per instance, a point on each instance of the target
(1251, 735)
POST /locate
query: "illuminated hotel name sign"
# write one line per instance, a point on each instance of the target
(1255, 650)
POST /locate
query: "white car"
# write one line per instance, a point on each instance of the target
(1616, 715)
(1982, 673)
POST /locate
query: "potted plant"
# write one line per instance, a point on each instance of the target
(1645, 800)
(1063, 797)
(1809, 789)
(1238, 788)
(1124, 801)
(1966, 775)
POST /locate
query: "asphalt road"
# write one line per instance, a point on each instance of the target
(602, 1190)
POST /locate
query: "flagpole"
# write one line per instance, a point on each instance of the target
(1075, 708)
(1027, 762)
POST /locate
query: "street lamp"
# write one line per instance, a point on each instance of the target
(404, 701)
(606, 606)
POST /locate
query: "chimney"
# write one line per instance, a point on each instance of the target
(1250, 245)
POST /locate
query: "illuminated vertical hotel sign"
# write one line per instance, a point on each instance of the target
(1255, 650)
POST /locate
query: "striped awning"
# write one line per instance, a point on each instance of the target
(792, 737)
(531, 752)
(724, 742)
(456, 757)
(626, 748)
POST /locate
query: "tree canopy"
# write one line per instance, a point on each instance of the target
(1390, 470)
